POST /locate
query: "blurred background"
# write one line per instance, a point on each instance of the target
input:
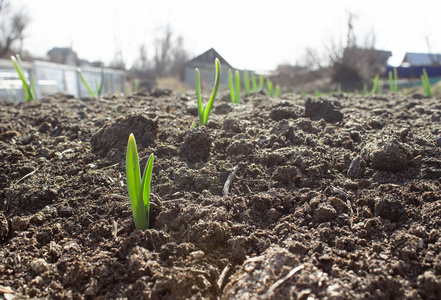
(303, 45)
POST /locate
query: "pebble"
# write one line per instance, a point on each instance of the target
(197, 254)
(39, 266)
(356, 168)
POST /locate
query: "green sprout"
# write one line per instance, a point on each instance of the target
(380, 87)
(260, 82)
(253, 80)
(204, 111)
(277, 91)
(393, 81)
(272, 92)
(234, 89)
(138, 187)
(128, 90)
(426, 84)
(231, 85)
(375, 84)
(136, 86)
(269, 86)
(99, 86)
(29, 87)
(246, 82)
(391, 84)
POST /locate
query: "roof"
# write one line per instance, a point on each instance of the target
(422, 59)
(208, 57)
(64, 50)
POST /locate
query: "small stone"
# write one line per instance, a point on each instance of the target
(92, 166)
(197, 254)
(356, 168)
(39, 266)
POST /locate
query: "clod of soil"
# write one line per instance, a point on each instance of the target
(322, 109)
(113, 137)
(197, 145)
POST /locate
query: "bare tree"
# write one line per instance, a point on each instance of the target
(12, 26)
(179, 58)
(163, 52)
(118, 60)
(169, 58)
(434, 58)
(353, 62)
(143, 63)
(312, 59)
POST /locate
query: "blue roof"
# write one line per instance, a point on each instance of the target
(422, 59)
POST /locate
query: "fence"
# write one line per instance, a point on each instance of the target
(415, 71)
(51, 78)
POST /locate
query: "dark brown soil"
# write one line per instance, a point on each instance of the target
(284, 198)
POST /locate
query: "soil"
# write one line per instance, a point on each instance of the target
(276, 198)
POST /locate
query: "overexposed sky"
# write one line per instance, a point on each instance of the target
(252, 34)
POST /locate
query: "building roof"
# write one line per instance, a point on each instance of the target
(421, 59)
(208, 57)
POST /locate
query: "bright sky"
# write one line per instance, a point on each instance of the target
(252, 34)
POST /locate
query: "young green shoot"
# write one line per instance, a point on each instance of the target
(128, 91)
(231, 85)
(426, 84)
(237, 93)
(391, 84)
(277, 91)
(375, 84)
(270, 87)
(138, 187)
(246, 82)
(253, 81)
(380, 87)
(365, 88)
(99, 86)
(234, 86)
(136, 86)
(260, 82)
(29, 87)
(204, 111)
(393, 81)
(396, 79)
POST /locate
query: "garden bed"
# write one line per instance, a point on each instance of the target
(276, 198)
